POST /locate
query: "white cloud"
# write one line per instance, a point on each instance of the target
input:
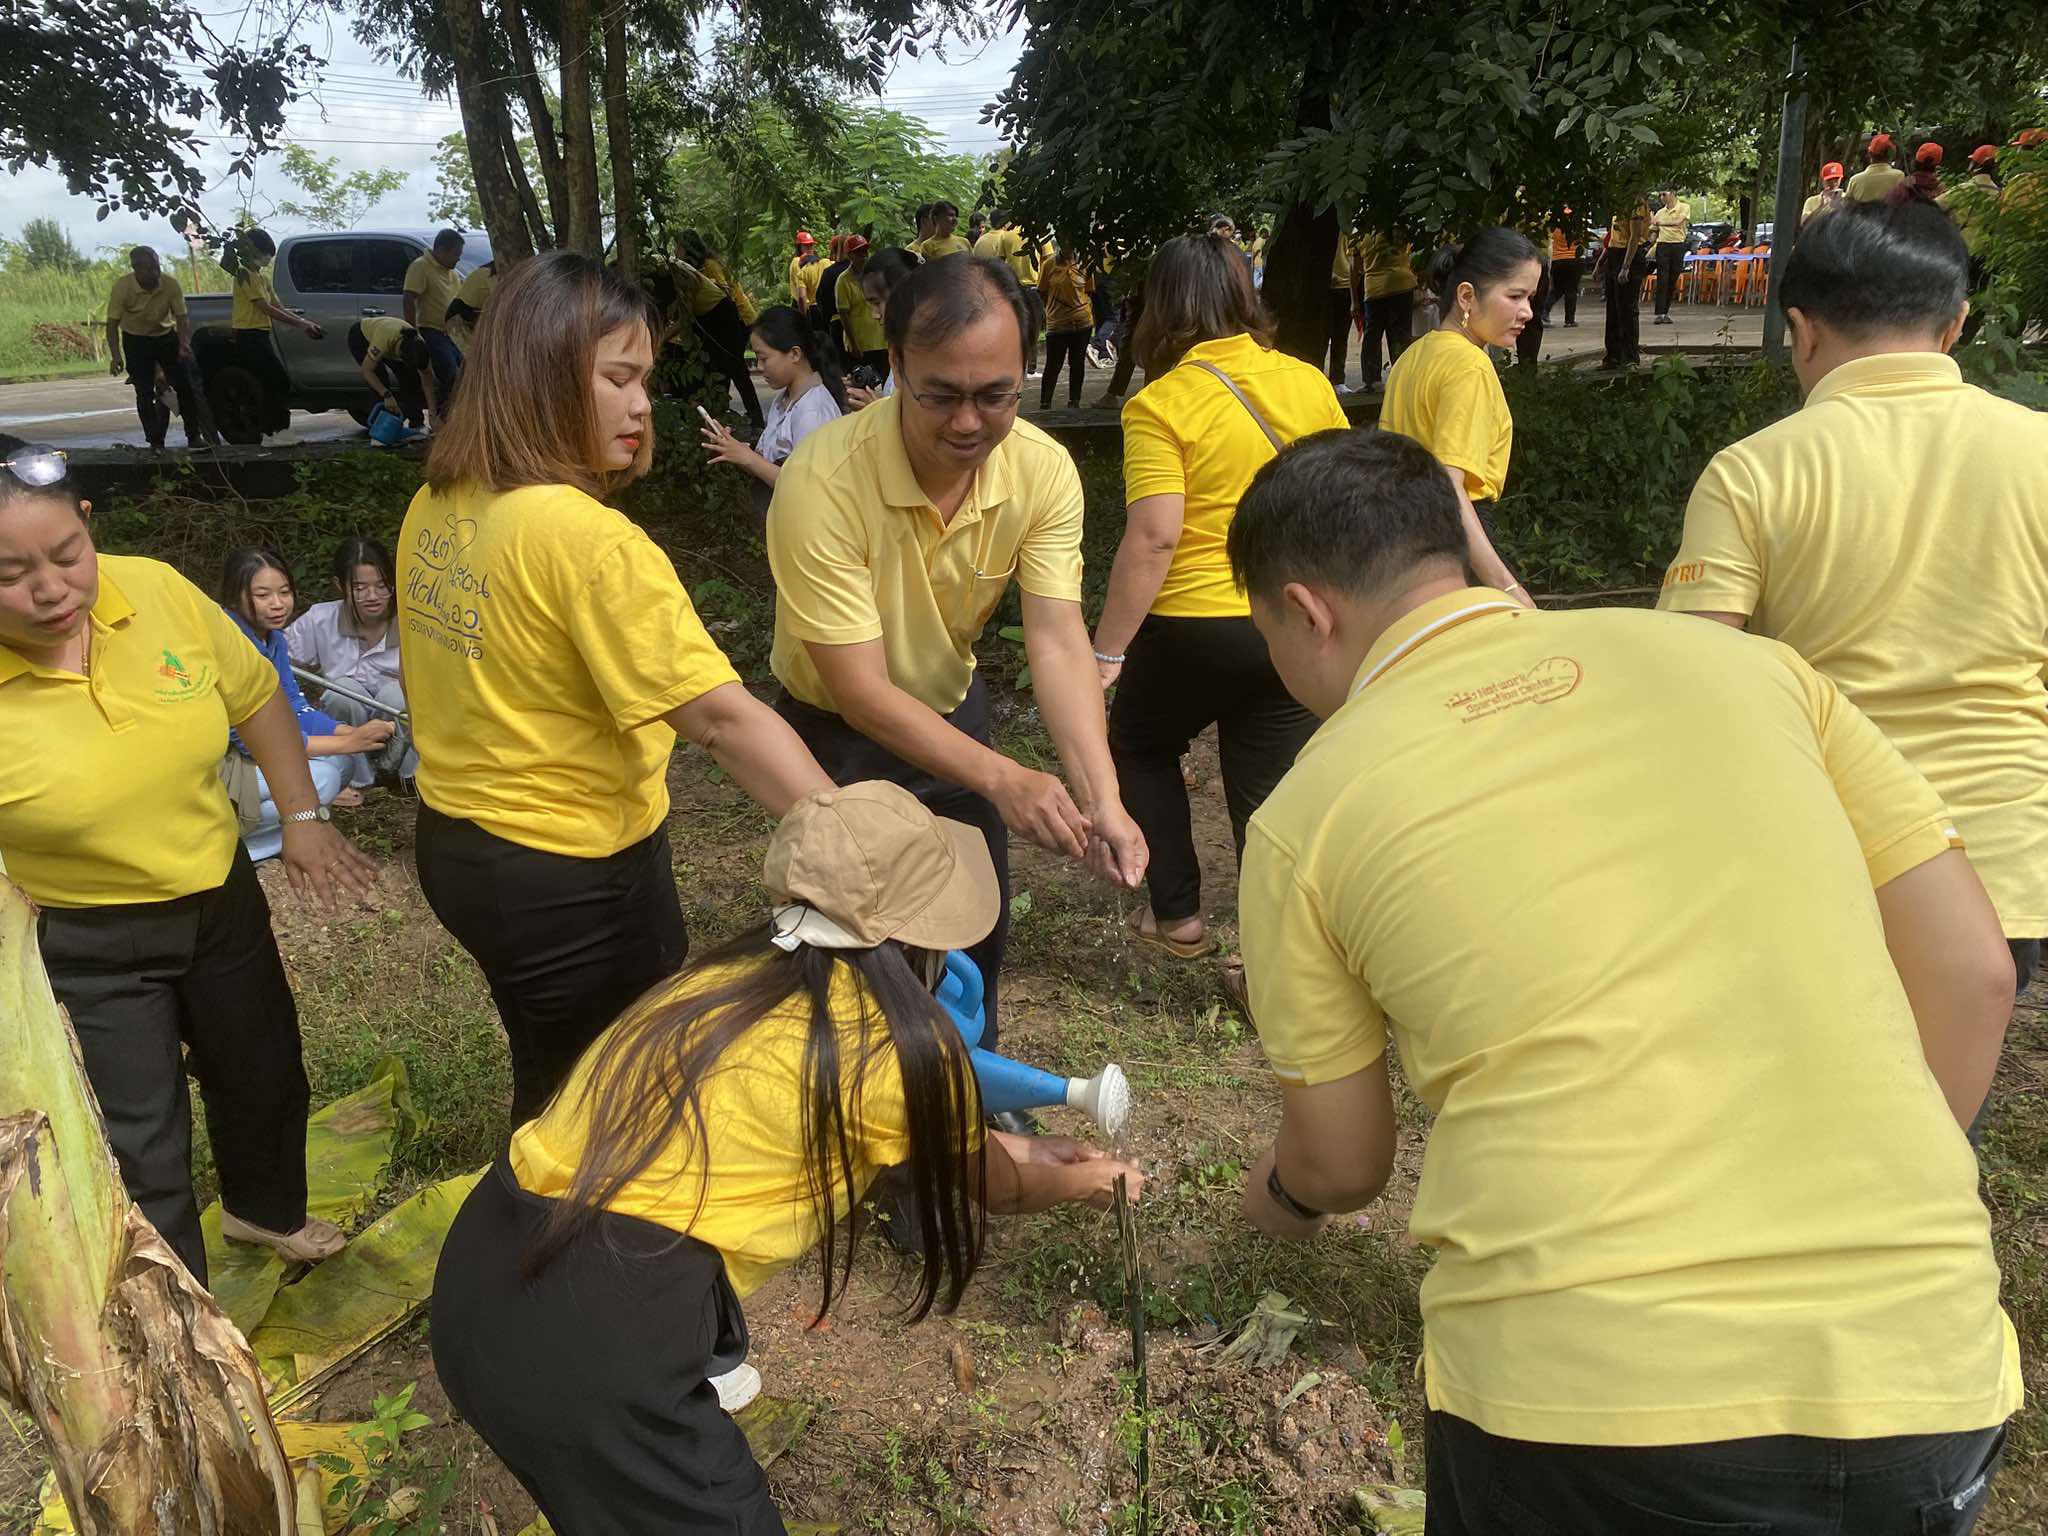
(368, 117)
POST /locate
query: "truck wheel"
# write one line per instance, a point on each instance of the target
(236, 397)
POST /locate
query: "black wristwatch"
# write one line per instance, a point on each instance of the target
(1286, 1201)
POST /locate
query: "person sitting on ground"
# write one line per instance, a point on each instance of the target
(731, 1121)
(883, 270)
(1830, 196)
(256, 590)
(1875, 181)
(1894, 532)
(395, 363)
(1709, 1252)
(808, 393)
(119, 681)
(150, 335)
(350, 639)
(1444, 392)
(1924, 185)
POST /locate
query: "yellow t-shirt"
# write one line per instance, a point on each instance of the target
(940, 245)
(110, 787)
(1443, 392)
(477, 288)
(862, 325)
(1668, 226)
(146, 311)
(812, 273)
(383, 333)
(1689, 1177)
(1008, 245)
(1066, 298)
(859, 552)
(1894, 534)
(433, 285)
(252, 286)
(796, 279)
(1340, 264)
(545, 637)
(756, 1210)
(1185, 435)
(1388, 267)
(1870, 184)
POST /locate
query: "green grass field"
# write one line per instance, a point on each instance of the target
(77, 300)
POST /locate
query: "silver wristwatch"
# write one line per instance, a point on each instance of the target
(318, 813)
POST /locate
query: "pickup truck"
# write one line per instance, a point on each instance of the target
(333, 280)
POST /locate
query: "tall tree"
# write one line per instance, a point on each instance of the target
(579, 130)
(533, 90)
(482, 126)
(328, 199)
(619, 133)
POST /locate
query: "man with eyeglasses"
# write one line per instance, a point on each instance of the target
(894, 535)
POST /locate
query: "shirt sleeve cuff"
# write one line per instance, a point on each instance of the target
(1137, 487)
(833, 634)
(1059, 591)
(1353, 1056)
(1702, 597)
(647, 711)
(1909, 849)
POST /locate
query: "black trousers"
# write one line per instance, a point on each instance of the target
(1071, 348)
(1670, 263)
(148, 982)
(1775, 1485)
(1623, 292)
(850, 757)
(1340, 332)
(144, 355)
(592, 1382)
(1389, 323)
(1036, 328)
(725, 339)
(565, 943)
(1126, 354)
(1529, 344)
(1565, 274)
(1182, 676)
(257, 351)
(403, 382)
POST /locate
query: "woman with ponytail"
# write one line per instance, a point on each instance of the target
(808, 393)
(729, 1122)
(1444, 392)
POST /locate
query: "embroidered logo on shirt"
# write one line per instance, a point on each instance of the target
(1551, 679)
(179, 683)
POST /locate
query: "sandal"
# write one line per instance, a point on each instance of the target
(1235, 984)
(1180, 949)
(314, 1241)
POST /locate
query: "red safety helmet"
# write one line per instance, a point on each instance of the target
(1927, 154)
(803, 237)
(1984, 154)
(1881, 144)
(1832, 171)
(2031, 138)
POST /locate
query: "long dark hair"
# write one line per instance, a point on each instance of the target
(642, 1085)
(1485, 261)
(241, 568)
(787, 331)
(1199, 289)
(359, 549)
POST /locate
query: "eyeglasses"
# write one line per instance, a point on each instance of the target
(37, 465)
(369, 588)
(986, 402)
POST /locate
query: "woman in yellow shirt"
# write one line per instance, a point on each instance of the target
(1445, 393)
(720, 310)
(725, 1126)
(1175, 629)
(551, 657)
(119, 681)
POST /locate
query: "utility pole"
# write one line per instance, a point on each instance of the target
(1791, 135)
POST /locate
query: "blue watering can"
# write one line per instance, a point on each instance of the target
(1005, 1084)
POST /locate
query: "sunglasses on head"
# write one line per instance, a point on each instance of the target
(37, 465)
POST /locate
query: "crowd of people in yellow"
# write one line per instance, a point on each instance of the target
(1697, 930)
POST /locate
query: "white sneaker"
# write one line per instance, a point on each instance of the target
(737, 1387)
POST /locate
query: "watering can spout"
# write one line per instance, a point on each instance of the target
(1005, 1084)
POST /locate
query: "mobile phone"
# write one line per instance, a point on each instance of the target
(707, 418)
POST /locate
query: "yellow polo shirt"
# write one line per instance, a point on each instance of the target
(941, 245)
(756, 1210)
(433, 285)
(1388, 268)
(1689, 1176)
(252, 286)
(1893, 532)
(545, 637)
(1185, 435)
(1340, 264)
(110, 787)
(383, 333)
(796, 279)
(1009, 246)
(1668, 226)
(1444, 392)
(859, 552)
(857, 318)
(1873, 182)
(812, 274)
(146, 311)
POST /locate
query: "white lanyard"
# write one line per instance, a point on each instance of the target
(1423, 634)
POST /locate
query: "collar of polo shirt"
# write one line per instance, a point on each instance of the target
(900, 488)
(1886, 368)
(110, 608)
(1420, 625)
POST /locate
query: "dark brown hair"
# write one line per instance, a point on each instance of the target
(523, 415)
(238, 572)
(1200, 289)
(641, 1085)
(940, 299)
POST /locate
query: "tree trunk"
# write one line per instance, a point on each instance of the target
(542, 122)
(1304, 248)
(619, 131)
(522, 185)
(579, 132)
(495, 194)
(150, 1405)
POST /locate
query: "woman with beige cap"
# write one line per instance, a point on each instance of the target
(590, 1288)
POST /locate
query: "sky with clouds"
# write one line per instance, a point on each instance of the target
(368, 116)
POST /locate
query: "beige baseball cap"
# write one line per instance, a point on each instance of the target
(852, 867)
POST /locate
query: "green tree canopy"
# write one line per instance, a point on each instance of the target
(330, 200)
(45, 246)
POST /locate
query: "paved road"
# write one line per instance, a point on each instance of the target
(94, 411)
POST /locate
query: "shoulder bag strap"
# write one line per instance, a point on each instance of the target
(1231, 385)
